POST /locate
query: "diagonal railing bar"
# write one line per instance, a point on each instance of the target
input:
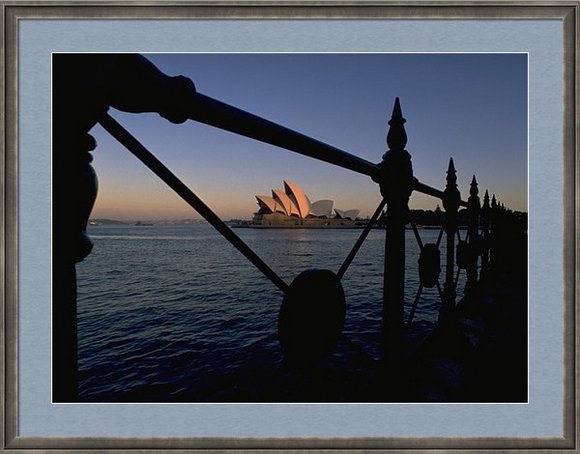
(414, 306)
(157, 167)
(417, 236)
(224, 116)
(361, 239)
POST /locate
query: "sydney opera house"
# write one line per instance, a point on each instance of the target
(291, 207)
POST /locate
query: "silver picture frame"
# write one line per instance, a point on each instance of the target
(16, 11)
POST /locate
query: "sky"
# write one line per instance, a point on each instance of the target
(472, 107)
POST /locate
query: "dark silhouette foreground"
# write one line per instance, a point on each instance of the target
(85, 86)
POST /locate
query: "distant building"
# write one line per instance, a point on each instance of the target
(292, 207)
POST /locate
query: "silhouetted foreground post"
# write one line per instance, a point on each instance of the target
(74, 192)
(84, 87)
(396, 186)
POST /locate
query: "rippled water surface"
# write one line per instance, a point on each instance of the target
(172, 312)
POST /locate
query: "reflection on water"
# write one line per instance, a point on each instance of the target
(164, 308)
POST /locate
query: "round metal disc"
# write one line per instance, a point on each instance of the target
(311, 316)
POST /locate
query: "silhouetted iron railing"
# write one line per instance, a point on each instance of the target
(394, 175)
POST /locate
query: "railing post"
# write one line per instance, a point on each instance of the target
(493, 232)
(473, 210)
(74, 192)
(485, 220)
(451, 202)
(396, 186)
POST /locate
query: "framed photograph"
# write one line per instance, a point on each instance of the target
(283, 226)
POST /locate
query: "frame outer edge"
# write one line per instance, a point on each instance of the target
(108, 9)
(10, 225)
(3, 262)
(9, 213)
(571, 315)
(297, 445)
(569, 204)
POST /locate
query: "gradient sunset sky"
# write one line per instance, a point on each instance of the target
(472, 107)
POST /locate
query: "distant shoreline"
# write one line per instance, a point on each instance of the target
(247, 225)
(145, 222)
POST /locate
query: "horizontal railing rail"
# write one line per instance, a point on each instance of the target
(224, 116)
(218, 114)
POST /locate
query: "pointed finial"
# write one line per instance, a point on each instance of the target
(473, 204)
(473, 190)
(397, 136)
(452, 198)
(451, 174)
(486, 199)
(451, 166)
(397, 112)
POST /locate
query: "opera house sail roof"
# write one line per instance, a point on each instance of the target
(293, 202)
(289, 207)
(298, 197)
(346, 214)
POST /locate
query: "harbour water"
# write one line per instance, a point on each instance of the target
(174, 313)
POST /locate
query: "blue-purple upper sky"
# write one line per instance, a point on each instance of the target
(472, 107)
